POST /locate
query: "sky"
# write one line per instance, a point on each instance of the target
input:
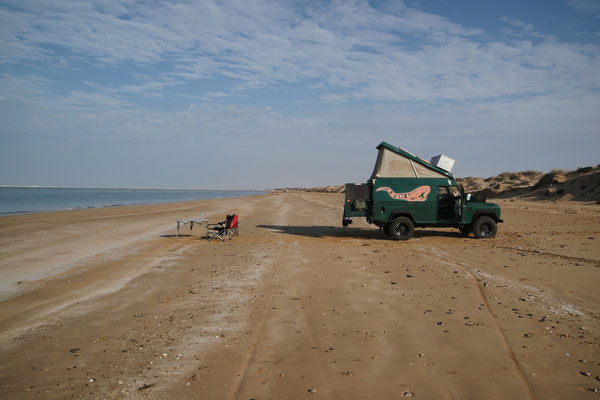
(263, 94)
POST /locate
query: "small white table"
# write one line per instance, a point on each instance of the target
(198, 221)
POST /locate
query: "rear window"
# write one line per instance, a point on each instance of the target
(357, 192)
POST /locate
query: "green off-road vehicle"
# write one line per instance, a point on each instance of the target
(406, 191)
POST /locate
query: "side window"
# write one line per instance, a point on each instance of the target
(442, 192)
(448, 203)
(443, 197)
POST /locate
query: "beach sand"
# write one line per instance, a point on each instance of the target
(110, 303)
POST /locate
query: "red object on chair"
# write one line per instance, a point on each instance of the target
(234, 222)
(224, 229)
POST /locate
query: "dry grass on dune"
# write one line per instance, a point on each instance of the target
(582, 184)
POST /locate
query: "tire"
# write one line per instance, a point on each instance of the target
(465, 230)
(401, 228)
(485, 228)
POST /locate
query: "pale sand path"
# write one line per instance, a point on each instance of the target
(109, 308)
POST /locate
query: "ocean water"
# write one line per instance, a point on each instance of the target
(23, 200)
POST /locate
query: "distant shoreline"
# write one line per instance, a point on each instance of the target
(126, 188)
(14, 213)
(16, 200)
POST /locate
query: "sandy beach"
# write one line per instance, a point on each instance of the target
(110, 304)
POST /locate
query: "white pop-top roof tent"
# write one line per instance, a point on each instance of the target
(395, 162)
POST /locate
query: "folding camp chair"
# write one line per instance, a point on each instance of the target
(224, 229)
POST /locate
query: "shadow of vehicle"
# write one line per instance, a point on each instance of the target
(315, 231)
(451, 233)
(324, 231)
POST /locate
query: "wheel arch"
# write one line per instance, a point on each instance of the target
(485, 213)
(405, 214)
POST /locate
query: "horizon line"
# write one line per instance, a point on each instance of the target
(122, 187)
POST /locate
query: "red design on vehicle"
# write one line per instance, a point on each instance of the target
(419, 194)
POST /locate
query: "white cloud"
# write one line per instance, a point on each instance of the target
(389, 72)
(586, 6)
(394, 53)
(519, 24)
(485, 137)
(27, 89)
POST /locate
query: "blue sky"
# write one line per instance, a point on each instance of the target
(258, 94)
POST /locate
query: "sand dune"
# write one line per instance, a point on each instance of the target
(109, 303)
(582, 184)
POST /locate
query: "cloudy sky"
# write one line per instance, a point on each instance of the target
(258, 94)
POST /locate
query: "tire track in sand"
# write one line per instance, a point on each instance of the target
(290, 288)
(515, 362)
(313, 344)
(243, 373)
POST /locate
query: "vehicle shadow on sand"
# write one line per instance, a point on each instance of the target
(325, 231)
(314, 231)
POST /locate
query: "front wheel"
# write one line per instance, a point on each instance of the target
(401, 228)
(485, 228)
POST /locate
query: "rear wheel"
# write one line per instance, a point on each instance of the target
(485, 228)
(401, 228)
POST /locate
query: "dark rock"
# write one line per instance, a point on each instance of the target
(145, 386)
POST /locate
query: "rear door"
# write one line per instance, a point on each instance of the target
(357, 202)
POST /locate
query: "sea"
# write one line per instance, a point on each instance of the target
(24, 200)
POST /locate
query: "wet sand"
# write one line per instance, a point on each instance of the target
(110, 303)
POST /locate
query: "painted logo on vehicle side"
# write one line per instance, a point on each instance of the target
(419, 194)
